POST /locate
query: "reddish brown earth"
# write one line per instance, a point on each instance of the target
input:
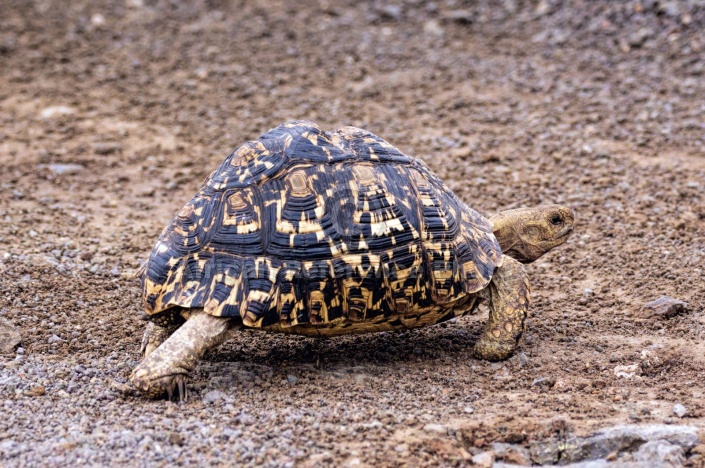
(597, 105)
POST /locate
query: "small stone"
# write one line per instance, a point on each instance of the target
(175, 439)
(37, 391)
(679, 410)
(638, 38)
(626, 372)
(663, 308)
(60, 169)
(433, 27)
(510, 453)
(468, 410)
(54, 339)
(391, 11)
(588, 293)
(545, 382)
(9, 336)
(97, 19)
(459, 16)
(435, 428)
(56, 111)
(292, 379)
(214, 396)
(483, 459)
(107, 147)
(660, 453)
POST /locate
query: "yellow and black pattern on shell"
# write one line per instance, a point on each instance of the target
(317, 233)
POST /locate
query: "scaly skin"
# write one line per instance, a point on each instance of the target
(164, 371)
(154, 336)
(508, 296)
(528, 233)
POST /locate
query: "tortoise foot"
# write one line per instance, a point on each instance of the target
(492, 350)
(173, 386)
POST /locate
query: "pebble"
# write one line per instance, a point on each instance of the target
(435, 428)
(679, 410)
(292, 379)
(663, 308)
(54, 339)
(214, 396)
(56, 111)
(626, 372)
(107, 147)
(60, 169)
(483, 459)
(660, 453)
(545, 382)
(9, 336)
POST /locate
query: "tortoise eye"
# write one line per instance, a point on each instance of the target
(556, 220)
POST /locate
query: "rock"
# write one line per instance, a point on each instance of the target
(9, 336)
(97, 19)
(37, 391)
(107, 147)
(663, 308)
(483, 459)
(544, 382)
(458, 16)
(214, 396)
(292, 379)
(57, 111)
(433, 27)
(60, 169)
(391, 12)
(54, 339)
(588, 293)
(510, 453)
(626, 372)
(468, 410)
(638, 38)
(435, 428)
(623, 438)
(660, 453)
(679, 410)
(175, 438)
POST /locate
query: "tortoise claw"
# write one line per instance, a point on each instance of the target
(173, 386)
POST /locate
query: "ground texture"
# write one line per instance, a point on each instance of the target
(112, 114)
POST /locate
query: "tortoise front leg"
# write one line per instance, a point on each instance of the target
(508, 295)
(166, 368)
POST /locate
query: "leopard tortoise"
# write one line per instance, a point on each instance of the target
(325, 234)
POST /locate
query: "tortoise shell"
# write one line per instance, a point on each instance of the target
(309, 232)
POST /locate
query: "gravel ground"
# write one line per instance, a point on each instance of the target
(112, 113)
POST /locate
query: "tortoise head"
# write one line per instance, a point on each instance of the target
(527, 233)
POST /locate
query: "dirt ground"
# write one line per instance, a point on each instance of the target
(112, 114)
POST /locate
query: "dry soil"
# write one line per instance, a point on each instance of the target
(112, 114)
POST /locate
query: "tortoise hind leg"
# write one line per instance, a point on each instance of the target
(166, 368)
(159, 328)
(508, 295)
(154, 336)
